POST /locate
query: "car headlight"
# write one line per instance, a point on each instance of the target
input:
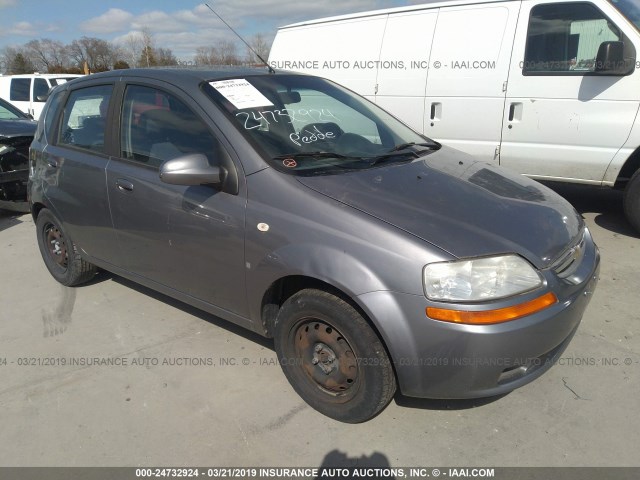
(479, 279)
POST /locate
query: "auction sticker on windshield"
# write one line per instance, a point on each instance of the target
(241, 93)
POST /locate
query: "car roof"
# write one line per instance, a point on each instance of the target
(175, 75)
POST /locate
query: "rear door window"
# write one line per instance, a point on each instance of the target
(84, 118)
(20, 88)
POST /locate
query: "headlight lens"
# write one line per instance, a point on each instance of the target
(479, 279)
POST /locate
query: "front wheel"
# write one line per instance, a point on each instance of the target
(59, 252)
(332, 357)
(632, 201)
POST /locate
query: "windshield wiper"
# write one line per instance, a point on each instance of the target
(399, 150)
(314, 155)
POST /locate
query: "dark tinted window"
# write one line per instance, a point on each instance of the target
(566, 37)
(20, 89)
(156, 126)
(84, 118)
(50, 115)
(40, 89)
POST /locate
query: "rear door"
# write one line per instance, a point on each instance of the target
(75, 166)
(187, 239)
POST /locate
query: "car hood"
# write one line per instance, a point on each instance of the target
(17, 128)
(465, 207)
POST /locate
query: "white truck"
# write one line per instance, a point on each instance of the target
(28, 92)
(548, 88)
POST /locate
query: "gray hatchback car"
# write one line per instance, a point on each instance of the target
(375, 257)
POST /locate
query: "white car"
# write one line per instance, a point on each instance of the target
(29, 92)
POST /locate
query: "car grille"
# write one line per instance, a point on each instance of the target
(568, 262)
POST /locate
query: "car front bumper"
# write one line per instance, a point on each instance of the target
(435, 359)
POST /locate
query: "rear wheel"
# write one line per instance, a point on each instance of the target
(59, 252)
(332, 357)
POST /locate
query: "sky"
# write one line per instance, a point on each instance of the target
(180, 25)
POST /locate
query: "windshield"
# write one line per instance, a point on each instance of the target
(630, 9)
(307, 125)
(9, 112)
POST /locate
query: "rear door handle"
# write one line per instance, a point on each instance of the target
(124, 185)
(53, 162)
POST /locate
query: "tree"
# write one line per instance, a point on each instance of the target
(48, 55)
(224, 53)
(20, 64)
(260, 46)
(132, 48)
(165, 57)
(120, 65)
(99, 54)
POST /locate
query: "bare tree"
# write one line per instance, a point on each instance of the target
(260, 46)
(228, 53)
(165, 57)
(207, 56)
(147, 57)
(16, 60)
(132, 48)
(99, 54)
(48, 55)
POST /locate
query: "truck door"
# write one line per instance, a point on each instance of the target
(404, 65)
(564, 119)
(468, 71)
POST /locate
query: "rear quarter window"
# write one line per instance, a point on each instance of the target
(20, 88)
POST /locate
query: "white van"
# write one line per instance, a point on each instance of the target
(548, 88)
(28, 92)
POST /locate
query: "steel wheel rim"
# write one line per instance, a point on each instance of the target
(56, 246)
(328, 361)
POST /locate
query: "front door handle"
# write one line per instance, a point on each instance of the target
(52, 162)
(124, 185)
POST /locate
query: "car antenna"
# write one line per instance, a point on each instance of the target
(271, 70)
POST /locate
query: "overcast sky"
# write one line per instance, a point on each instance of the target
(180, 25)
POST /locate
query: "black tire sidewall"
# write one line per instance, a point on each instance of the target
(63, 275)
(632, 201)
(374, 368)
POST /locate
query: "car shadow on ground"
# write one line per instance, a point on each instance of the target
(605, 202)
(400, 400)
(196, 312)
(9, 219)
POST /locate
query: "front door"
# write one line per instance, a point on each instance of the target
(187, 238)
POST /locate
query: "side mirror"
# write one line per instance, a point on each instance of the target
(610, 59)
(192, 169)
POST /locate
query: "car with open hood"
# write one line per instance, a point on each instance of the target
(376, 258)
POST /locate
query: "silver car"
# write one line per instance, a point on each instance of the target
(376, 258)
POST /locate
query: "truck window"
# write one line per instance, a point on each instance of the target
(565, 37)
(40, 89)
(20, 89)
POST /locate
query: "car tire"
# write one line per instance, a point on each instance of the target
(632, 201)
(332, 357)
(59, 253)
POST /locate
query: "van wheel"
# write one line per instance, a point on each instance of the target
(332, 357)
(59, 253)
(632, 201)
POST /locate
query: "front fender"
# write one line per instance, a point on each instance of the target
(321, 262)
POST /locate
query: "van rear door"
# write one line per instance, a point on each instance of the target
(468, 71)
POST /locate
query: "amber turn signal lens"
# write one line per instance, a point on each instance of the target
(485, 317)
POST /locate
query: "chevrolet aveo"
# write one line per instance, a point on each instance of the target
(375, 257)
